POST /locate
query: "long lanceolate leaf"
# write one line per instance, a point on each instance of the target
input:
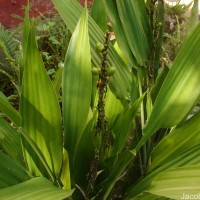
(120, 82)
(180, 90)
(41, 117)
(77, 85)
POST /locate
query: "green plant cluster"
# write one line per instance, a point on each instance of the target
(113, 123)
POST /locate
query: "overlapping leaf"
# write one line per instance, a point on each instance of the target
(187, 158)
(178, 141)
(121, 81)
(177, 183)
(134, 21)
(125, 123)
(180, 90)
(118, 29)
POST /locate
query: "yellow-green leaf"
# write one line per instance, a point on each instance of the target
(180, 91)
(40, 111)
(11, 172)
(120, 82)
(34, 189)
(77, 85)
(11, 141)
(179, 140)
(178, 183)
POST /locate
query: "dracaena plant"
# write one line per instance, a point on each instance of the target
(125, 130)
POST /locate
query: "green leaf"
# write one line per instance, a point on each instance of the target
(187, 158)
(39, 108)
(119, 165)
(34, 189)
(118, 29)
(120, 82)
(85, 153)
(65, 173)
(126, 122)
(36, 156)
(177, 183)
(179, 140)
(98, 9)
(159, 81)
(9, 111)
(77, 85)
(148, 196)
(135, 24)
(11, 172)
(58, 80)
(113, 108)
(11, 141)
(180, 90)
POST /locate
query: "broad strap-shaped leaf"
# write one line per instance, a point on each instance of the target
(187, 158)
(9, 110)
(180, 90)
(34, 189)
(11, 141)
(135, 24)
(120, 82)
(11, 172)
(179, 140)
(40, 111)
(177, 183)
(77, 85)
